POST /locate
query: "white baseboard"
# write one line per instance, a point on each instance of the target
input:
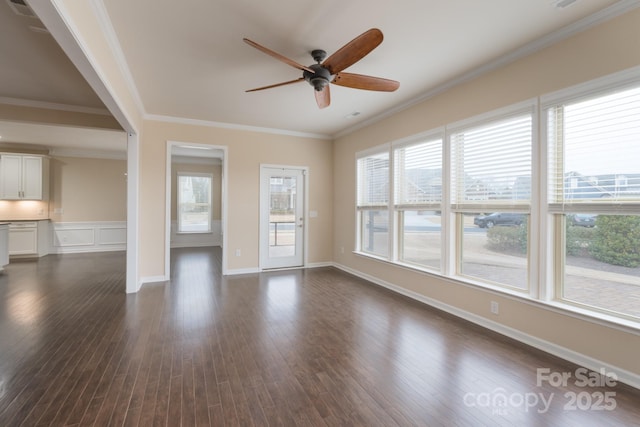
(238, 271)
(623, 375)
(319, 264)
(153, 279)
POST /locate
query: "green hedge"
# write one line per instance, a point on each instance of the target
(514, 239)
(617, 240)
(508, 239)
(579, 240)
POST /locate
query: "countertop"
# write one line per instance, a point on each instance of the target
(9, 221)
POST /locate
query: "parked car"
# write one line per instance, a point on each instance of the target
(583, 220)
(499, 218)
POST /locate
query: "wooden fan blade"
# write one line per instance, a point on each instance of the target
(353, 51)
(359, 81)
(276, 85)
(278, 56)
(323, 97)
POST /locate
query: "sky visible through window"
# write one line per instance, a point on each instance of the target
(602, 135)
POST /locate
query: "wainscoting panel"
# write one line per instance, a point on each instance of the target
(74, 237)
(113, 235)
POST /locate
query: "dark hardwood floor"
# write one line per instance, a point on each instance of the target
(307, 347)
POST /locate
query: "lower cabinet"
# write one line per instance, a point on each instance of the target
(27, 238)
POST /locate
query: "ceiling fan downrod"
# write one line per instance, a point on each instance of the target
(321, 76)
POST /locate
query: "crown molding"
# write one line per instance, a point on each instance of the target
(207, 123)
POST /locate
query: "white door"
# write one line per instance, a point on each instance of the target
(281, 217)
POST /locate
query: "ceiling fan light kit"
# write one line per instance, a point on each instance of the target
(323, 72)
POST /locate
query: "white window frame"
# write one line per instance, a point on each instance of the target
(553, 213)
(454, 261)
(381, 149)
(413, 140)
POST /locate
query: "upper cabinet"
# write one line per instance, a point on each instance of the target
(24, 177)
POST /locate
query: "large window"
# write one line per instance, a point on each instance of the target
(194, 202)
(373, 203)
(491, 196)
(490, 201)
(417, 200)
(594, 199)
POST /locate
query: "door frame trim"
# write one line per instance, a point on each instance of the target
(223, 197)
(305, 211)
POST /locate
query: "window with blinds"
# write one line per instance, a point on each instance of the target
(373, 203)
(418, 174)
(594, 150)
(373, 181)
(491, 163)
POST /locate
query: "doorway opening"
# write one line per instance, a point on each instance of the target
(196, 198)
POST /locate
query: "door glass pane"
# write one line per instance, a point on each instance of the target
(282, 216)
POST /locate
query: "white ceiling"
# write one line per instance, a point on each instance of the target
(187, 59)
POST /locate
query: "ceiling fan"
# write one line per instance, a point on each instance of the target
(320, 74)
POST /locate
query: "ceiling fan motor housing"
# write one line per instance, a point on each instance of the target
(319, 79)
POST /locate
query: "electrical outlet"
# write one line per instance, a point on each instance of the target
(238, 252)
(341, 249)
(495, 307)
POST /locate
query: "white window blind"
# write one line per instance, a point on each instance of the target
(594, 150)
(373, 180)
(491, 163)
(418, 174)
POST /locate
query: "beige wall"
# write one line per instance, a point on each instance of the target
(216, 190)
(58, 117)
(13, 210)
(85, 189)
(88, 189)
(246, 151)
(605, 49)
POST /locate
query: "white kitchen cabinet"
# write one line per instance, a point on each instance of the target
(24, 177)
(28, 238)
